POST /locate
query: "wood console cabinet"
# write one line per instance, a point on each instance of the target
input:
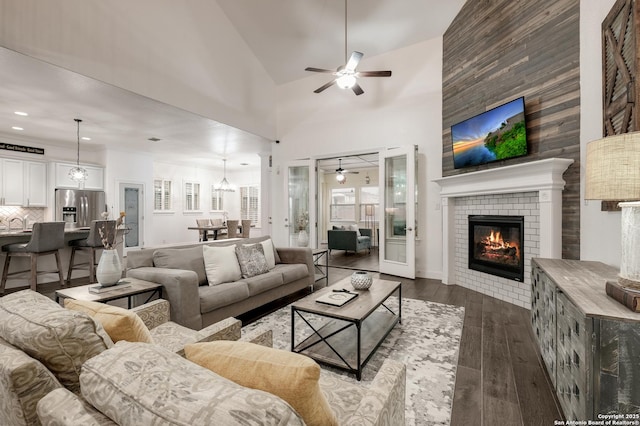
(590, 344)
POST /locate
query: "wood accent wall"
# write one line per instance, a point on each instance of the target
(498, 50)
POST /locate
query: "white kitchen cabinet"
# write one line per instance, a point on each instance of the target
(11, 182)
(95, 177)
(35, 184)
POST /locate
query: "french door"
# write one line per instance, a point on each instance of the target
(299, 221)
(397, 171)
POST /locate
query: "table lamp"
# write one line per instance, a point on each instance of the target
(613, 174)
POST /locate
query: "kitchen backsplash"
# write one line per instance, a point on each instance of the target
(35, 214)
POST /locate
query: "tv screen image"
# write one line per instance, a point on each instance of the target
(495, 135)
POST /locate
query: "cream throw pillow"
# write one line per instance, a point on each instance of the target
(221, 264)
(290, 376)
(119, 323)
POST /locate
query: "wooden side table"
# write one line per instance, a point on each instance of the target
(134, 288)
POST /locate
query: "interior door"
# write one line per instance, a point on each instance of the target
(397, 171)
(300, 219)
(131, 201)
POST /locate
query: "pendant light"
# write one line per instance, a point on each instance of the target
(78, 173)
(224, 184)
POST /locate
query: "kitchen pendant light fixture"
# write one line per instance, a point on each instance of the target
(78, 174)
(224, 184)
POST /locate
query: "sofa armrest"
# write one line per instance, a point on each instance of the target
(342, 240)
(154, 313)
(62, 407)
(227, 329)
(180, 288)
(259, 336)
(384, 402)
(298, 255)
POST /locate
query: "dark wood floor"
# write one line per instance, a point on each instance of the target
(500, 379)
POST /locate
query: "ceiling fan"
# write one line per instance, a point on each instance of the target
(340, 172)
(347, 75)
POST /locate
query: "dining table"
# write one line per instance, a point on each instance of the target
(206, 229)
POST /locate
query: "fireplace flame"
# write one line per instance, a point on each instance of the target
(494, 241)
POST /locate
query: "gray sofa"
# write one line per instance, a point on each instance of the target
(343, 239)
(195, 304)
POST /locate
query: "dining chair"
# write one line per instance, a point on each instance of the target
(232, 228)
(203, 222)
(246, 228)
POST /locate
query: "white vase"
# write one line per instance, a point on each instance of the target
(109, 269)
(303, 238)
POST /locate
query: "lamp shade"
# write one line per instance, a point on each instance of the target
(613, 168)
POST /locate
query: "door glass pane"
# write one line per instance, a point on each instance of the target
(131, 208)
(395, 195)
(298, 205)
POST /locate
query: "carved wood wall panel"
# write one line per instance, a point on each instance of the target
(619, 69)
(497, 50)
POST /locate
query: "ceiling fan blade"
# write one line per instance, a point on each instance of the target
(357, 89)
(374, 74)
(353, 61)
(326, 86)
(312, 69)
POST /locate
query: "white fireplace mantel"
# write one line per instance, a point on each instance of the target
(543, 176)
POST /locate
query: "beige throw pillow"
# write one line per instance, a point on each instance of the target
(119, 323)
(221, 264)
(290, 376)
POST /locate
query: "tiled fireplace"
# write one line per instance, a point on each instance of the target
(531, 192)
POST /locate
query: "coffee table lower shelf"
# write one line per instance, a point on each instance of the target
(336, 342)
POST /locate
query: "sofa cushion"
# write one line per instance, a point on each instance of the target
(190, 259)
(59, 338)
(23, 382)
(218, 296)
(292, 377)
(141, 384)
(62, 407)
(251, 260)
(221, 264)
(263, 282)
(119, 323)
(292, 271)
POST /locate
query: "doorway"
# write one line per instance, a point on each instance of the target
(131, 201)
(348, 198)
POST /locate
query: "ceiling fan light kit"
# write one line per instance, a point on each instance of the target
(346, 75)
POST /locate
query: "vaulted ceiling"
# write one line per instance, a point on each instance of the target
(285, 35)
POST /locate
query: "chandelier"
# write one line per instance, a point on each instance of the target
(78, 173)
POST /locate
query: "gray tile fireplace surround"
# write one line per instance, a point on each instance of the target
(533, 190)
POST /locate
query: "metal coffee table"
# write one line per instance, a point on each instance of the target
(346, 337)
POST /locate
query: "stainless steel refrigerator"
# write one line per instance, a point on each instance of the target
(78, 207)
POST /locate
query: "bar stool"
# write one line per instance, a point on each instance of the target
(232, 228)
(92, 243)
(46, 238)
(246, 228)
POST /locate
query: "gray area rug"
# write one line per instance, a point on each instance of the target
(427, 342)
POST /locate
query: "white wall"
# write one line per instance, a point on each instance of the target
(184, 53)
(405, 109)
(599, 231)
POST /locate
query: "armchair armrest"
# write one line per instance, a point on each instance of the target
(259, 336)
(365, 232)
(227, 329)
(154, 313)
(384, 403)
(62, 407)
(180, 288)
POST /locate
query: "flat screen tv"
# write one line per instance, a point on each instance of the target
(495, 135)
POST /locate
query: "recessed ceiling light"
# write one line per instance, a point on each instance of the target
(154, 139)
(84, 138)
(244, 164)
(17, 128)
(24, 114)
